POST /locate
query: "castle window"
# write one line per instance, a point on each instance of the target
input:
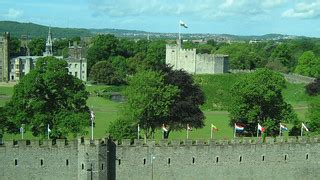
(307, 156)
(185, 56)
(102, 166)
(144, 161)
(217, 159)
(76, 74)
(82, 65)
(82, 166)
(262, 157)
(41, 162)
(193, 160)
(69, 65)
(169, 161)
(67, 162)
(16, 162)
(119, 161)
(75, 65)
(240, 158)
(285, 157)
(172, 50)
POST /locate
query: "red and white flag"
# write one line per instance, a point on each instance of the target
(260, 128)
(189, 128)
(165, 128)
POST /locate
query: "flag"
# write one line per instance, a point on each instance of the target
(305, 127)
(49, 130)
(138, 128)
(183, 24)
(283, 128)
(238, 127)
(164, 128)
(260, 128)
(21, 129)
(214, 128)
(92, 116)
(189, 128)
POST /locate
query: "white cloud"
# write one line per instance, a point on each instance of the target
(195, 8)
(13, 13)
(304, 10)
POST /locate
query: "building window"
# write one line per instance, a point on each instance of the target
(263, 158)
(41, 162)
(82, 166)
(119, 161)
(240, 158)
(16, 162)
(102, 166)
(69, 65)
(82, 71)
(75, 65)
(285, 157)
(82, 65)
(217, 159)
(193, 160)
(76, 74)
(169, 161)
(144, 161)
(67, 162)
(70, 73)
(307, 156)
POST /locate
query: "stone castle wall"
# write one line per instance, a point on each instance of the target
(4, 57)
(176, 159)
(190, 61)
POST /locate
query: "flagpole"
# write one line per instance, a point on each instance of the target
(258, 130)
(48, 131)
(187, 131)
(234, 131)
(301, 130)
(179, 32)
(138, 131)
(280, 130)
(211, 132)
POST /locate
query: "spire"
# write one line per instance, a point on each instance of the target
(49, 44)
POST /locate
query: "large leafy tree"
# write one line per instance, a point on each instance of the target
(257, 98)
(48, 95)
(186, 106)
(308, 64)
(148, 100)
(37, 46)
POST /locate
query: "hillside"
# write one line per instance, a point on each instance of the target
(34, 30)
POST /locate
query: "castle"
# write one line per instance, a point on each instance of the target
(190, 61)
(13, 69)
(277, 158)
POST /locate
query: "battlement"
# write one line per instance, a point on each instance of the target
(220, 142)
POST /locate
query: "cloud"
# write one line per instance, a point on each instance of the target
(13, 13)
(195, 8)
(304, 10)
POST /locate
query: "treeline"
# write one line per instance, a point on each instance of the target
(297, 55)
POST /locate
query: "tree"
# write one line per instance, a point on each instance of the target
(257, 98)
(14, 47)
(313, 89)
(48, 95)
(103, 47)
(314, 115)
(308, 64)
(123, 128)
(148, 100)
(186, 106)
(37, 46)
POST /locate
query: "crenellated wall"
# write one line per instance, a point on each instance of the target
(247, 158)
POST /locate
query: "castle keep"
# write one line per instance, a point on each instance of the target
(187, 159)
(4, 57)
(190, 61)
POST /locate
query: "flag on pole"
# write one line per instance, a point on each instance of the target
(260, 128)
(214, 128)
(305, 127)
(283, 128)
(183, 24)
(189, 128)
(238, 127)
(92, 116)
(49, 130)
(165, 128)
(21, 129)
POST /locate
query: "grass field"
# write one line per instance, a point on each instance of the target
(107, 111)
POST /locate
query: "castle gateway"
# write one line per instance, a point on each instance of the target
(190, 61)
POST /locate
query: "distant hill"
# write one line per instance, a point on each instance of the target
(17, 29)
(34, 30)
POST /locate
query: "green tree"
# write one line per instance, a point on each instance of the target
(148, 100)
(103, 47)
(308, 65)
(48, 95)
(313, 88)
(14, 47)
(314, 115)
(37, 46)
(257, 98)
(123, 128)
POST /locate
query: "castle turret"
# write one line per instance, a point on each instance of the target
(4, 57)
(48, 51)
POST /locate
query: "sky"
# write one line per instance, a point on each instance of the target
(238, 17)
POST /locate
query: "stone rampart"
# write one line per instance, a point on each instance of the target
(246, 158)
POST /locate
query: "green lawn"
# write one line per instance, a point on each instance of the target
(107, 111)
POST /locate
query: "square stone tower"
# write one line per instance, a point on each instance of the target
(4, 57)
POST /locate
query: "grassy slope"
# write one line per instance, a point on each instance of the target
(216, 89)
